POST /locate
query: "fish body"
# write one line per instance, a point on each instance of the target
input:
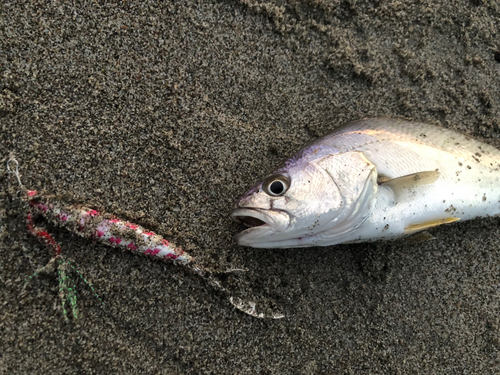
(369, 180)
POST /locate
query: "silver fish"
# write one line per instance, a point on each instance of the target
(369, 180)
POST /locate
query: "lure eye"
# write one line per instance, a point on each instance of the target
(276, 185)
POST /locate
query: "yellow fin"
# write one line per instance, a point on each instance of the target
(433, 223)
(410, 180)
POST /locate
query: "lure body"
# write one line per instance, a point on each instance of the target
(372, 179)
(108, 229)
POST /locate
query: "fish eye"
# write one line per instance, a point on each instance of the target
(276, 185)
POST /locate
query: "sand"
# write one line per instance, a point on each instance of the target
(166, 112)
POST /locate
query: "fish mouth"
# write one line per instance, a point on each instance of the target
(250, 221)
(261, 224)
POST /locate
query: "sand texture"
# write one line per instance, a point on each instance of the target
(166, 112)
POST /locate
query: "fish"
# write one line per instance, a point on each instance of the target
(371, 179)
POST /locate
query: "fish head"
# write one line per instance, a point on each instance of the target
(307, 202)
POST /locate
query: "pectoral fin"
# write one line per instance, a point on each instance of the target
(410, 180)
(429, 224)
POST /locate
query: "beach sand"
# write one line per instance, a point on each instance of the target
(165, 113)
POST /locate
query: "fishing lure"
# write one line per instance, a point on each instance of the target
(112, 231)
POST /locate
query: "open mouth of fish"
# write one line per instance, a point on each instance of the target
(261, 224)
(250, 217)
(250, 221)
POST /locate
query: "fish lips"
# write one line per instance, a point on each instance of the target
(262, 224)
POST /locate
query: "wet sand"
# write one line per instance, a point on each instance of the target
(166, 113)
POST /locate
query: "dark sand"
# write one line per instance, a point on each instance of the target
(166, 113)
